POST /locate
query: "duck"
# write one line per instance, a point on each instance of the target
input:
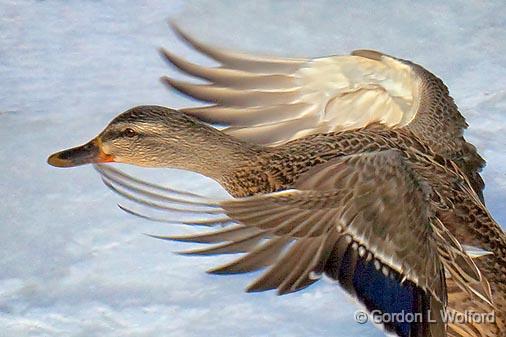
(350, 167)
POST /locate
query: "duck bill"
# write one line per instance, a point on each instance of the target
(88, 153)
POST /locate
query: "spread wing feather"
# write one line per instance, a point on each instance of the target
(272, 100)
(343, 218)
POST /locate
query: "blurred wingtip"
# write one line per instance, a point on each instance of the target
(167, 81)
(159, 237)
(162, 52)
(173, 24)
(176, 28)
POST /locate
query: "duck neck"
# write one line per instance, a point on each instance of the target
(216, 155)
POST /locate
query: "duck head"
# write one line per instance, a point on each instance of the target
(153, 136)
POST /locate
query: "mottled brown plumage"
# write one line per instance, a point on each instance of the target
(346, 166)
(252, 171)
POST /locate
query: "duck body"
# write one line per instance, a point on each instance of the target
(354, 167)
(454, 201)
(247, 170)
(276, 169)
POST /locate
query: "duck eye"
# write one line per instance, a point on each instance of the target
(128, 132)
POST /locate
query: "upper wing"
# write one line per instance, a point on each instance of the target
(271, 100)
(363, 220)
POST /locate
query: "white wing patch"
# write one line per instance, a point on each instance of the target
(271, 101)
(334, 93)
(352, 91)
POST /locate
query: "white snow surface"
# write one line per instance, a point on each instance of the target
(73, 264)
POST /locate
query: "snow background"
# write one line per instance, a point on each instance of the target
(73, 264)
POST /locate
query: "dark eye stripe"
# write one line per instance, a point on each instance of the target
(110, 135)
